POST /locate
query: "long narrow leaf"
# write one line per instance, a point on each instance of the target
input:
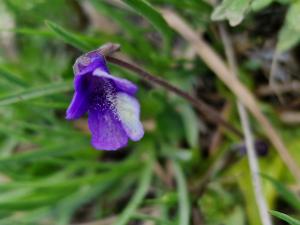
(69, 37)
(35, 92)
(152, 15)
(184, 207)
(286, 218)
(138, 196)
(12, 78)
(286, 194)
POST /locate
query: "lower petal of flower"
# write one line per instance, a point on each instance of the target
(128, 111)
(107, 131)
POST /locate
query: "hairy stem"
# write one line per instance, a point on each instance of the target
(202, 107)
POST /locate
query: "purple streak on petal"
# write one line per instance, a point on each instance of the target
(78, 106)
(107, 132)
(128, 111)
(122, 85)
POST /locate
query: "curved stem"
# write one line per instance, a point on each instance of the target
(202, 107)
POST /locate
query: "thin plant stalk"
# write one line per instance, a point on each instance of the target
(110, 48)
(249, 140)
(202, 107)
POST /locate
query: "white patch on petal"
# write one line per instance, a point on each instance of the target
(100, 73)
(128, 111)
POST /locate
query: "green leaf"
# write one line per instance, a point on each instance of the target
(289, 34)
(286, 194)
(257, 5)
(191, 124)
(138, 196)
(69, 37)
(287, 39)
(233, 10)
(152, 15)
(293, 16)
(183, 197)
(286, 218)
(35, 92)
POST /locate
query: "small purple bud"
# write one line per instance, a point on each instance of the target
(261, 147)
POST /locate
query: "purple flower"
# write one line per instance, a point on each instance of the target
(113, 111)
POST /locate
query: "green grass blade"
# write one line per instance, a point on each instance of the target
(69, 37)
(35, 92)
(286, 194)
(52, 150)
(12, 78)
(138, 196)
(286, 218)
(184, 207)
(152, 15)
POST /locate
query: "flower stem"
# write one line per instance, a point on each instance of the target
(202, 107)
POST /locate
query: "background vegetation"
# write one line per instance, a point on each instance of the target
(187, 169)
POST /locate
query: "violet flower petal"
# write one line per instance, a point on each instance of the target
(114, 113)
(122, 85)
(78, 107)
(107, 131)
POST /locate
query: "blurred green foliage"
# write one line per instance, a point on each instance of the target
(49, 174)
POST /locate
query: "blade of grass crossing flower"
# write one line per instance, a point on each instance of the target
(119, 18)
(184, 207)
(138, 196)
(153, 16)
(35, 92)
(69, 37)
(290, 220)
